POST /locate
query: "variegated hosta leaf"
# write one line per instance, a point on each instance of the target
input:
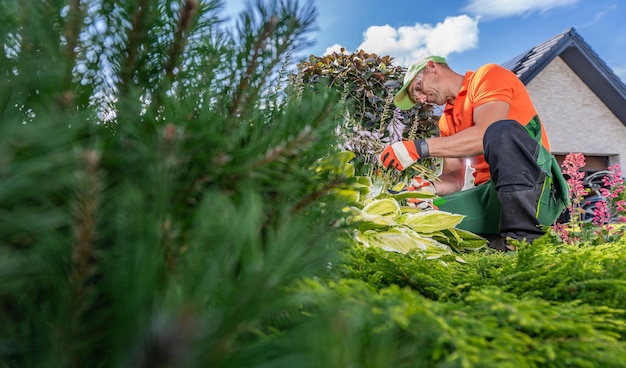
(398, 187)
(422, 194)
(430, 221)
(384, 207)
(411, 209)
(402, 240)
(369, 221)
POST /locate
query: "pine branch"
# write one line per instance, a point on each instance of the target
(289, 148)
(135, 38)
(85, 210)
(318, 194)
(238, 100)
(293, 146)
(72, 30)
(25, 15)
(187, 15)
(282, 46)
(84, 255)
(170, 142)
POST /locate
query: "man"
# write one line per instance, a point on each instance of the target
(489, 118)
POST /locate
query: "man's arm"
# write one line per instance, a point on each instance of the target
(466, 143)
(469, 142)
(452, 176)
(453, 148)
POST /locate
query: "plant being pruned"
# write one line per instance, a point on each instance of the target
(367, 83)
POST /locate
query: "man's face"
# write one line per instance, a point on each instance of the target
(424, 88)
(415, 89)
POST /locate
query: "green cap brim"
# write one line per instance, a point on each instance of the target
(402, 99)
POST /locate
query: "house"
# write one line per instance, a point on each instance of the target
(580, 101)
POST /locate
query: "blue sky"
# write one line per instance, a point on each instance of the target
(468, 33)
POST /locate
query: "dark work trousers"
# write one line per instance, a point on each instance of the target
(506, 205)
(512, 157)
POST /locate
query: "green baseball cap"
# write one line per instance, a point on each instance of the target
(402, 99)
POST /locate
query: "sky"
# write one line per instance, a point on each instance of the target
(468, 33)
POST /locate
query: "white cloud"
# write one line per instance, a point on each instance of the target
(453, 35)
(334, 48)
(405, 44)
(491, 9)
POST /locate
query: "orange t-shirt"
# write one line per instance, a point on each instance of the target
(488, 83)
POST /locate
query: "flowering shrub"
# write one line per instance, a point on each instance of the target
(367, 84)
(607, 211)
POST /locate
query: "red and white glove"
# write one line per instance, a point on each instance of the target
(418, 183)
(423, 204)
(403, 154)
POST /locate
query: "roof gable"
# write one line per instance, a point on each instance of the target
(582, 60)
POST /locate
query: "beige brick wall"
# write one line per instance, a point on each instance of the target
(574, 117)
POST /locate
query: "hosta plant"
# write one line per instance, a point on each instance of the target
(386, 224)
(385, 219)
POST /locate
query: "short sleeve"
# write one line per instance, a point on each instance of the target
(492, 83)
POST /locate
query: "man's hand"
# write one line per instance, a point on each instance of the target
(403, 154)
(418, 183)
(423, 204)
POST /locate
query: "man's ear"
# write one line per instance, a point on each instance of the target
(431, 66)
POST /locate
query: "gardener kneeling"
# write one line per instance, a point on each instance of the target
(489, 118)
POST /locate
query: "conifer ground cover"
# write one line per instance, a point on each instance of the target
(173, 193)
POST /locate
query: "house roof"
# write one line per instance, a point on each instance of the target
(587, 65)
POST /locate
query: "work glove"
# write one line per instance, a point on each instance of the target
(423, 204)
(418, 183)
(403, 154)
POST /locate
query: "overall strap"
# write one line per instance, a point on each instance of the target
(549, 164)
(534, 129)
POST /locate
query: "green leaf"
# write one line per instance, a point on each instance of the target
(466, 240)
(398, 187)
(384, 207)
(402, 240)
(430, 221)
(369, 221)
(338, 162)
(363, 184)
(422, 194)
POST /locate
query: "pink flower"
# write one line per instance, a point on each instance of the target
(562, 231)
(601, 213)
(613, 182)
(571, 167)
(605, 210)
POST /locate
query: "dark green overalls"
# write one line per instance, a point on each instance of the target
(526, 189)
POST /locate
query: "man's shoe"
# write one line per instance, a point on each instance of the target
(501, 245)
